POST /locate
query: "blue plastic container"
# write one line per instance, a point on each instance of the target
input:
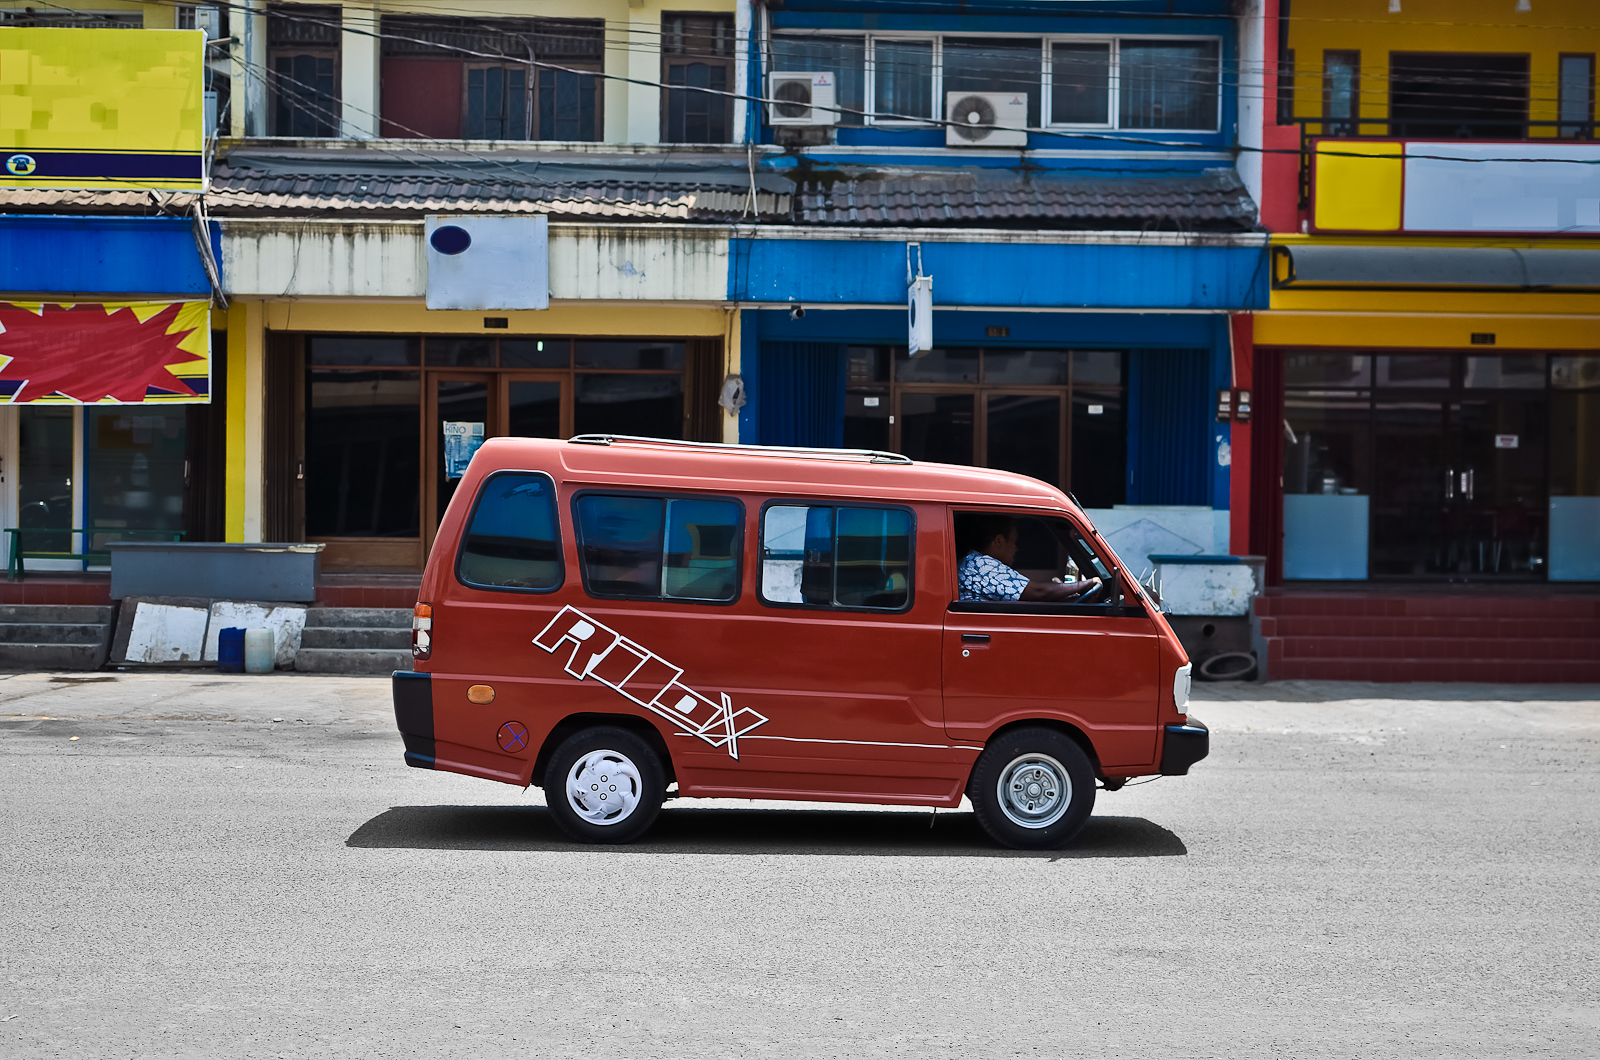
(230, 650)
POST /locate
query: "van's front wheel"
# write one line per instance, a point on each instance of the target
(1032, 789)
(604, 785)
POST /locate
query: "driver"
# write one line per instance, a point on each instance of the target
(986, 572)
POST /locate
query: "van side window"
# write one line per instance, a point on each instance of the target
(1005, 559)
(836, 557)
(660, 548)
(512, 541)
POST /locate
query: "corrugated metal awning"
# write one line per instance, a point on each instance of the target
(1423, 268)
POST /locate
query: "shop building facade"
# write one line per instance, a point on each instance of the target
(1432, 348)
(1084, 276)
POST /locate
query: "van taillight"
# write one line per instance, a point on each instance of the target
(422, 631)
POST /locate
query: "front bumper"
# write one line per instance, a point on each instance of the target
(1183, 746)
(413, 716)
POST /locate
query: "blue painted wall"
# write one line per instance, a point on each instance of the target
(102, 255)
(1207, 18)
(823, 271)
(1188, 473)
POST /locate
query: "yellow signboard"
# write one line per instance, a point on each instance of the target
(102, 108)
(1358, 185)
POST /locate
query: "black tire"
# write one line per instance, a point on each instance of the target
(637, 776)
(1027, 758)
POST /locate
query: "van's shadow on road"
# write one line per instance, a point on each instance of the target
(688, 830)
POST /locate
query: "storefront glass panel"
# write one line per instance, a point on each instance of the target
(535, 353)
(1099, 449)
(1023, 432)
(133, 470)
(1035, 367)
(647, 355)
(363, 453)
(533, 409)
(642, 404)
(460, 353)
(1575, 468)
(937, 366)
(44, 479)
(1442, 467)
(937, 427)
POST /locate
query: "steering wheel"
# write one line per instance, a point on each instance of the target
(1089, 593)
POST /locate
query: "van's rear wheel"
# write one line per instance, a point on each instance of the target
(1032, 789)
(604, 785)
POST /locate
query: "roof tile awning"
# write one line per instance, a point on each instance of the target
(1213, 201)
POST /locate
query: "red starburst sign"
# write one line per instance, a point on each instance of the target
(123, 353)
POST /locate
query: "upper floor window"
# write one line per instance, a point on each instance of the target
(1458, 96)
(1341, 92)
(675, 548)
(303, 70)
(1576, 101)
(442, 80)
(1127, 83)
(697, 53)
(843, 56)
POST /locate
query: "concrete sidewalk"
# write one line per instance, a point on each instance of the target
(1284, 706)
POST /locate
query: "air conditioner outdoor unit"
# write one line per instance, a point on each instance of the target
(802, 99)
(974, 117)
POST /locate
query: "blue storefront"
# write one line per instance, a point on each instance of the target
(1092, 365)
(1064, 173)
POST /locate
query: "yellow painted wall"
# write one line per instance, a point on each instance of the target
(1410, 330)
(415, 318)
(1543, 33)
(242, 500)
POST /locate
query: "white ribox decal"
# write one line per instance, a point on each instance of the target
(646, 679)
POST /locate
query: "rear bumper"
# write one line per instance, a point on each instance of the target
(413, 716)
(1183, 746)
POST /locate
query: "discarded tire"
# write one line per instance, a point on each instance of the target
(1229, 666)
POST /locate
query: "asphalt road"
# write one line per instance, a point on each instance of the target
(1348, 875)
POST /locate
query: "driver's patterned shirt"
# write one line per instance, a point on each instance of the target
(983, 577)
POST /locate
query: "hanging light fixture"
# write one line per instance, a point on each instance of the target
(1524, 6)
(1394, 7)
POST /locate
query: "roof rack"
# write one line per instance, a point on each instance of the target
(871, 456)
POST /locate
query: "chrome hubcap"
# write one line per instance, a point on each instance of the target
(603, 787)
(1034, 791)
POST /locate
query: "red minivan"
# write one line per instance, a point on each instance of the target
(608, 617)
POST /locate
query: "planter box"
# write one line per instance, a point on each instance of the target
(215, 571)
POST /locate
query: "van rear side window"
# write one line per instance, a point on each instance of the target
(836, 557)
(512, 541)
(660, 547)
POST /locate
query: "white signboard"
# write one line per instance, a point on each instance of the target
(919, 315)
(1538, 186)
(488, 262)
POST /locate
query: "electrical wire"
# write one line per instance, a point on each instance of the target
(917, 119)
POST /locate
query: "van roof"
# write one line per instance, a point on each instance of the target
(620, 461)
